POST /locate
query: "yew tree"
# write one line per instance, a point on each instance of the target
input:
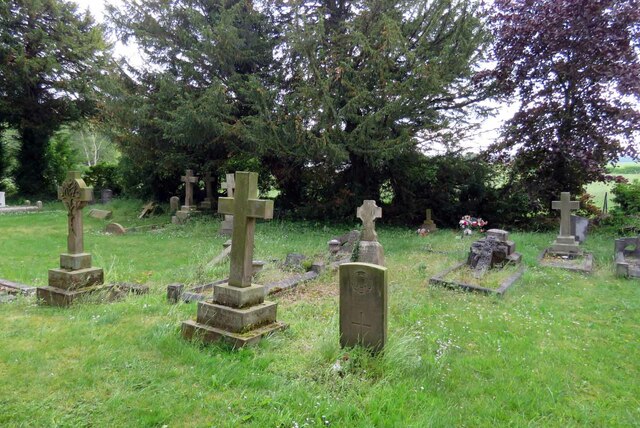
(51, 57)
(573, 65)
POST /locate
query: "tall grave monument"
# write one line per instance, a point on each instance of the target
(565, 242)
(185, 211)
(238, 312)
(429, 225)
(363, 305)
(369, 249)
(75, 276)
(226, 227)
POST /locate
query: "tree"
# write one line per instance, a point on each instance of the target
(51, 57)
(358, 82)
(189, 106)
(573, 65)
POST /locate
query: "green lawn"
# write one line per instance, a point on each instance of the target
(560, 349)
(599, 189)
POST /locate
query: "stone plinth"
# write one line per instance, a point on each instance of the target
(371, 252)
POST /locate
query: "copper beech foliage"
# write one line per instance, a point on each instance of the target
(573, 65)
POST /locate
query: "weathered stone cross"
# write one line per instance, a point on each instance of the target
(188, 179)
(428, 219)
(208, 179)
(245, 208)
(565, 205)
(229, 185)
(361, 324)
(75, 195)
(368, 212)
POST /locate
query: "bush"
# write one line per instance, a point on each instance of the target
(104, 176)
(627, 197)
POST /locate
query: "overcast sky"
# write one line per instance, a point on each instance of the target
(483, 137)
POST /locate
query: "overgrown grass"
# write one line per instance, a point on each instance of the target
(560, 349)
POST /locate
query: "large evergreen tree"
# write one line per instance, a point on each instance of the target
(51, 57)
(361, 85)
(574, 66)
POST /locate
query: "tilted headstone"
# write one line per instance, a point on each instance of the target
(147, 209)
(75, 276)
(226, 227)
(565, 243)
(115, 229)
(369, 249)
(429, 224)
(363, 305)
(208, 202)
(238, 312)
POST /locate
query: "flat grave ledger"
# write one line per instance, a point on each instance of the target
(492, 266)
(238, 312)
(363, 305)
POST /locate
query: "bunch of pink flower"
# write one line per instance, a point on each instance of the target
(468, 224)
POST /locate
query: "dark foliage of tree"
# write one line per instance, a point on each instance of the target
(51, 57)
(574, 66)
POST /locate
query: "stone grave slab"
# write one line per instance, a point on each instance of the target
(238, 312)
(100, 214)
(582, 262)
(75, 277)
(363, 305)
(369, 249)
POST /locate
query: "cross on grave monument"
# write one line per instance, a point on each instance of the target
(429, 224)
(188, 179)
(363, 305)
(208, 201)
(369, 249)
(565, 243)
(75, 276)
(368, 212)
(238, 312)
(226, 227)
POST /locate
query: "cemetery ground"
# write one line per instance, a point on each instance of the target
(559, 349)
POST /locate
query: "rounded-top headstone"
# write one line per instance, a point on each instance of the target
(115, 228)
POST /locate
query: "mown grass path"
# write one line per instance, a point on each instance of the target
(560, 349)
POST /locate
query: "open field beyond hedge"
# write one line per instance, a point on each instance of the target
(560, 349)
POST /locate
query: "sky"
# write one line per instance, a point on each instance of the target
(484, 136)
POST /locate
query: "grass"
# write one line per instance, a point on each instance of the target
(493, 279)
(560, 349)
(628, 170)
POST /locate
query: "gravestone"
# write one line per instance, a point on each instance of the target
(494, 250)
(115, 229)
(565, 242)
(39, 205)
(208, 202)
(185, 211)
(363, 305)
(627, 257)
(2, 201)
(369, 249)
(226, 227)
(100, 214)
(147, 209)
(174, 204)
(75, 276)
(429, 225)
(105, 196)
(238, 312)
(579, 227)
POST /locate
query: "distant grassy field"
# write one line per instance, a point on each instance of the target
(560, 349)
(628, 170)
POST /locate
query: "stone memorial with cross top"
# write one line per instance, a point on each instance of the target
(565, 243)
(207, 204)
(238, 312)
(75, 275)
(429, 224)
(226, 226)
(363, 305)
(369, 249)
(189, 180)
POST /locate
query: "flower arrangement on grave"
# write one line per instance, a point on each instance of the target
(422, 231)
(468, 224)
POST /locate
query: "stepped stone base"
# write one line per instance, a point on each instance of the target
(566, 245)
(208, 334)
(75, 279)
(236, 320)
(53, 296)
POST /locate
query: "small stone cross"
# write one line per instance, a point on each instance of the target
(428, 219)
(565, 205)
(188, 179)
(368, 212)
(229, 185)
(75, 195)
(361, 325)
(245, 208)
(208, 179)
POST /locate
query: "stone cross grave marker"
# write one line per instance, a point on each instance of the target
(226, 227)
(188, 179)
(368, 212)
(565, 242)
(363, 305)
(429, 224)
(245, 208)
(75, 195)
